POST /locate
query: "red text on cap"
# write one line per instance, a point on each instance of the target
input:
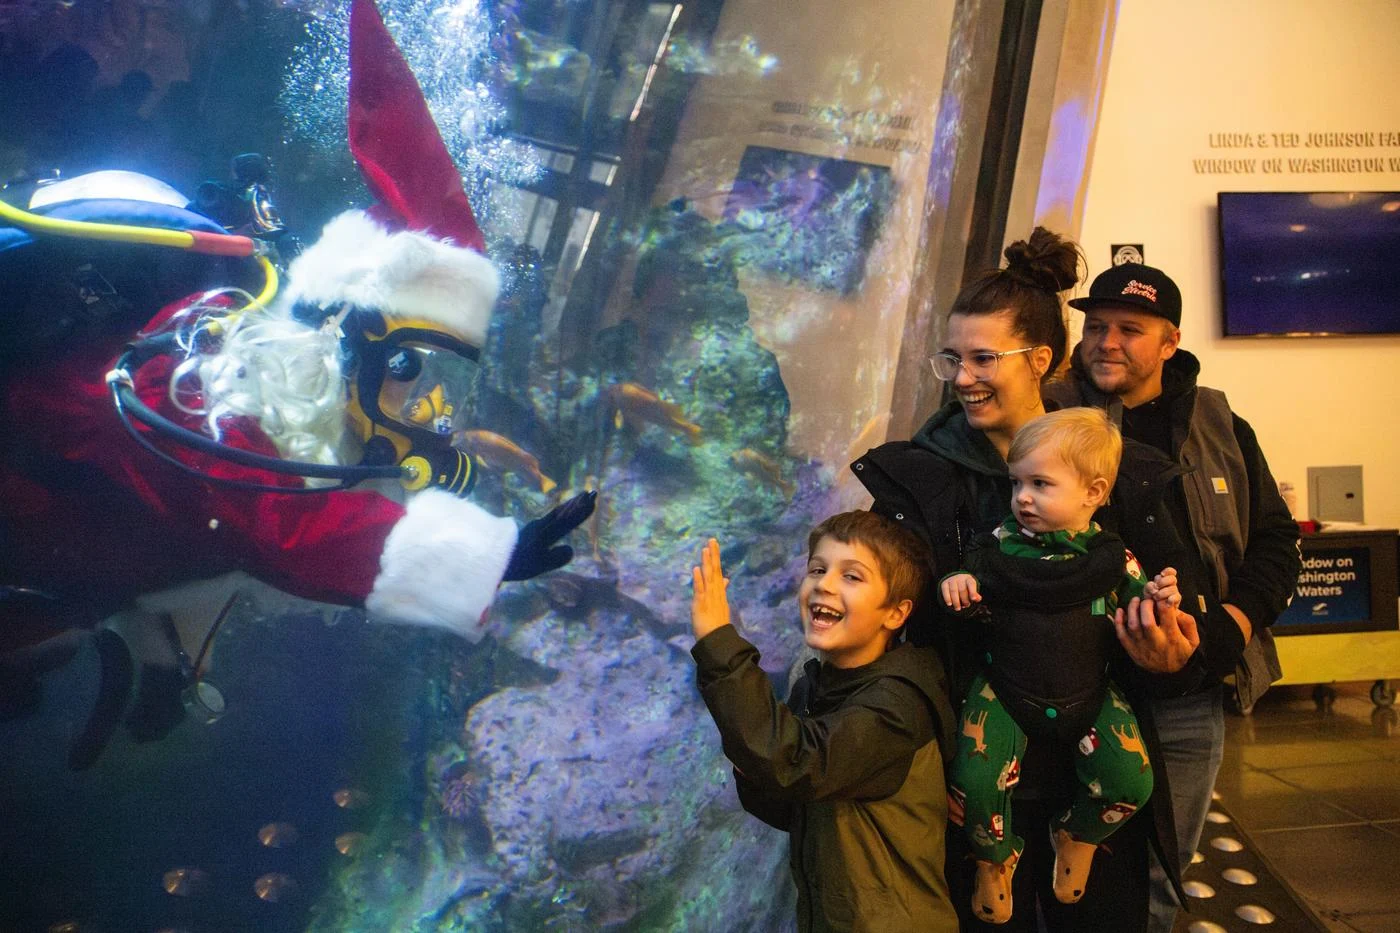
(1134, 287)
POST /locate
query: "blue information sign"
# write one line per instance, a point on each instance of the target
(1333, 589)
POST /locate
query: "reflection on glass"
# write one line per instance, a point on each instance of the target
(818, 216)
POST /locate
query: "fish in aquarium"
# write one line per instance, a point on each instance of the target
(639, 406)
(763, 467)
(503, 455)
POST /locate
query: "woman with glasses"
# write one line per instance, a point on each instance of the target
(1005, 337)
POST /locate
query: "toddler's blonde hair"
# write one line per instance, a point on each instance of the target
(1084, 438)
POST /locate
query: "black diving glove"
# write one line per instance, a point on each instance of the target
(536, 551)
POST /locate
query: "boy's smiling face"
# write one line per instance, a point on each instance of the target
(842, 599)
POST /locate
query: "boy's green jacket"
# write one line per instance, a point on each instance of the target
(852, 769)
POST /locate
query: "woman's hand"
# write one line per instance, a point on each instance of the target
(710, 609)
(1161, 645)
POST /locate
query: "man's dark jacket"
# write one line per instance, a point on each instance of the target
(1228, 504)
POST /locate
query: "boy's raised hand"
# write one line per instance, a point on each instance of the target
(710, 610)
(960, 591)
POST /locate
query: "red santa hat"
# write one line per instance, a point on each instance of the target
(418, 253)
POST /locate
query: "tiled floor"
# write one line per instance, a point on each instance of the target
(1317, 790)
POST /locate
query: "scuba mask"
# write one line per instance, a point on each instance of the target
(412, 387)
(423, 387)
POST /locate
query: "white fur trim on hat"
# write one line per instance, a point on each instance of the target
(441, 564)
(403, 274)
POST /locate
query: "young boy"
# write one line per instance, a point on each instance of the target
(851, 766)
(1052, 582)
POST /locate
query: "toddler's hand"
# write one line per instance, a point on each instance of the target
(1162, 589)
(960, 591)
(710, 609)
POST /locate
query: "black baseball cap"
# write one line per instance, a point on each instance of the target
(1133, 285)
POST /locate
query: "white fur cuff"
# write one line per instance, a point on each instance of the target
(442, 563)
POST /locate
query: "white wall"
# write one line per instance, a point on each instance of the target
(1184, 70)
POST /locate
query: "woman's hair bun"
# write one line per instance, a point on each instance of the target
(1046, 261)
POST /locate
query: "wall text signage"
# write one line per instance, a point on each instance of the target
(1344, 152)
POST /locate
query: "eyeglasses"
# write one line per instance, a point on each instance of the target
(981, 366)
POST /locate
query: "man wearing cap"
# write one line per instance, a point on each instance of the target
(1224, 500)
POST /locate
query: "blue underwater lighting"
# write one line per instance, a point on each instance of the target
(457, 50)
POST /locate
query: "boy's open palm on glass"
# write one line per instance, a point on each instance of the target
(710, 610)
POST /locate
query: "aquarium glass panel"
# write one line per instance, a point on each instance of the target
(700, 222)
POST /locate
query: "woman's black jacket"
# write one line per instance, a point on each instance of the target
(940, 501)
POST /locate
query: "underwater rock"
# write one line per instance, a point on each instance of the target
(686, 272)
(575, 597)
(691, 425)
(767, 554)
(490, 666)
(580, 852)
(730, 385)
(696, 345)
(605, 783)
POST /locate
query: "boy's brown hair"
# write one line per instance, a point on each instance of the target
(1084, 438)
(902, 558)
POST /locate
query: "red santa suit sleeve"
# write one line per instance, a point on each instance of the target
(436, 562)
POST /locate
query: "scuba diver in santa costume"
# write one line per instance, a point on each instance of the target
(227, 435)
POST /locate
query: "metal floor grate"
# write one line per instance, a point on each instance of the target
(1230, 886)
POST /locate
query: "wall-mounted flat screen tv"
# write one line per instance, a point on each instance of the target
(1319, 263)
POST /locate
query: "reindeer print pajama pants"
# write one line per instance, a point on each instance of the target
(1115, 777)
